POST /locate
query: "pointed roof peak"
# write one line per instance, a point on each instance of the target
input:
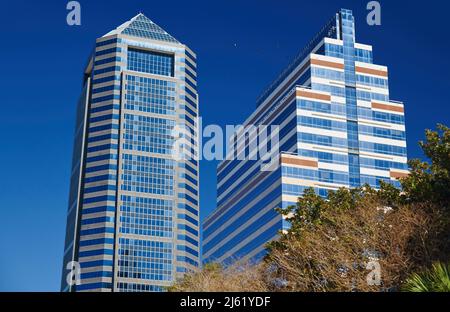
(143, 27)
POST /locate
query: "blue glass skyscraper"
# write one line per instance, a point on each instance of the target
(338, 128)
(133, 217)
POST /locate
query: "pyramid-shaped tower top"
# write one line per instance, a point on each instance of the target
(142, 26)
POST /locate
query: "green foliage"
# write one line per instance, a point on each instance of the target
(307, 211)
(389, 195)
(437, 279)
(431, 182)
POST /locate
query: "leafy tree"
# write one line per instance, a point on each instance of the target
(428, 186)
(332, 241)
(430, 182)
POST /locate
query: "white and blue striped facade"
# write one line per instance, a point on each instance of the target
(133, 219)
(337, 128)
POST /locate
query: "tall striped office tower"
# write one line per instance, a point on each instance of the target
(337, 128)
(132, 222)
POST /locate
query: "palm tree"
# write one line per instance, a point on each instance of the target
(437, 279)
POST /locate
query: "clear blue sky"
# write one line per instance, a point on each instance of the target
(241, 46)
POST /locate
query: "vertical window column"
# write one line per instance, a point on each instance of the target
(348, 37)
